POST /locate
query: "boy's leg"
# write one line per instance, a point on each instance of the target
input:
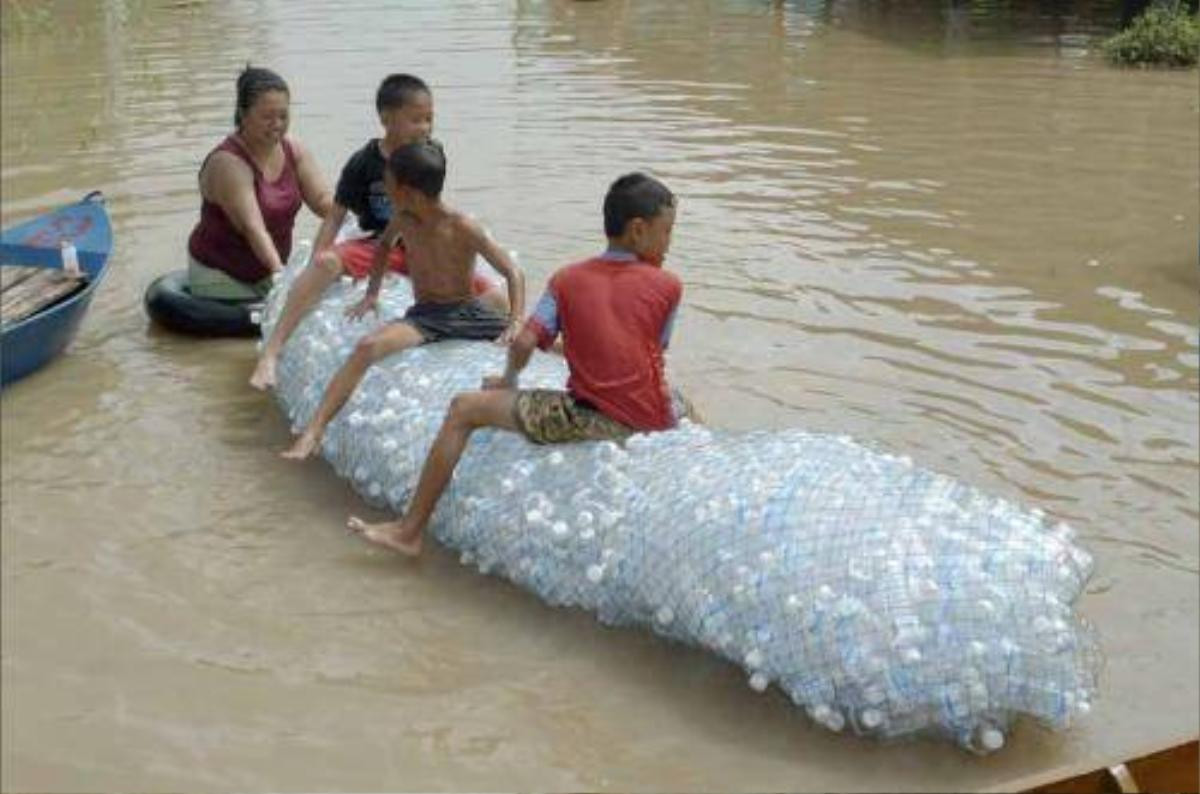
(468, 412)
(376, 345)
(307, 290)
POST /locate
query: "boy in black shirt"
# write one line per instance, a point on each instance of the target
(405, 106)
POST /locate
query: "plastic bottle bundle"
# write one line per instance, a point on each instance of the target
(880, 596)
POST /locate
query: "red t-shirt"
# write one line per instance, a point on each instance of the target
(616, 314)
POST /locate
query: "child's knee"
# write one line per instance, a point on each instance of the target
(460, 408)
(464, 410)
(328, 263)
(385, 341)
(368, 349)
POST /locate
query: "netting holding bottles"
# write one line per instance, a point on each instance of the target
(879, 596)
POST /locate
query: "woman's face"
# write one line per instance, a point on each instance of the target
(267, 119)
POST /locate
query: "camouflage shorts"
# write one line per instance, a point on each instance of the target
(547, 416)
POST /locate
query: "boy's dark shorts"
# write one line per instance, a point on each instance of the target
(469, 319)
(548, 416)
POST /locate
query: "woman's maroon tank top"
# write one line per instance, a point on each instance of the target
(217, 243)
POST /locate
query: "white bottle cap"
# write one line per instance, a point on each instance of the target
(992, 739)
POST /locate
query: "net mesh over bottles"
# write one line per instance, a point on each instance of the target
(881, 597)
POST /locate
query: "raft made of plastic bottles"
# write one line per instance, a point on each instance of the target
(883, 598)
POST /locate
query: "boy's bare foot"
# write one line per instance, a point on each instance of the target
(303, 448)
(389, 534)
(264, 373)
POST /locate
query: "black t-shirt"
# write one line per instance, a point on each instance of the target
(360, 188)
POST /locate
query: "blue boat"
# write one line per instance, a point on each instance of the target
(36, 246)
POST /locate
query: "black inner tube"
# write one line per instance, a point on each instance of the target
(170, 303)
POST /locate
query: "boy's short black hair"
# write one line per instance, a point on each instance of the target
(634, 196)
(253, 82)
(397, 90)
(421, 166)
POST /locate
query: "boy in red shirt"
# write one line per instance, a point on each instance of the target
(615, 313)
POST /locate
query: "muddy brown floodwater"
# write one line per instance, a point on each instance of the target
(973, 246)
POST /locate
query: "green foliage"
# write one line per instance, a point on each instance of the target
(18, 18)
(1166, 35)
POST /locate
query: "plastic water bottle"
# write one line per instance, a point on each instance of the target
(70, 260)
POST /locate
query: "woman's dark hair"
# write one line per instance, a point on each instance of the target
(397, 90)
(634, 196)
(421, 166)
(253, 82)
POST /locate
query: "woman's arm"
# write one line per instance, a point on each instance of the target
(229, 183)
(318, 197)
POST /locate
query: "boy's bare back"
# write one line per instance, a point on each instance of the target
(440, 249)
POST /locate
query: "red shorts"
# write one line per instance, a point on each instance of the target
(356, 256)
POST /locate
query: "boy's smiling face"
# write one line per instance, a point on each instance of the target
(410, 123)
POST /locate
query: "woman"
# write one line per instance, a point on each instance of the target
(252, 185)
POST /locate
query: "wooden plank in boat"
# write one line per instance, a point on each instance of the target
(11, 275)
(35, 292)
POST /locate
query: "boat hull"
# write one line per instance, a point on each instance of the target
(30, 344)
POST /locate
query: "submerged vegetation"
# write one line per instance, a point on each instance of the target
(21, 18)
(1167, 34)
(31, 19)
